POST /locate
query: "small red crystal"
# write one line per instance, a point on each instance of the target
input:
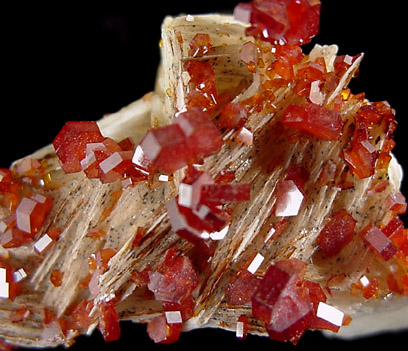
(217, 194)
(203, 89)
(316, 120)
(31, 213)
(379, 242)
(81, 314)
(361, 159)
(108, 321)
(282, 303)
(337, 233)
(241, 287)
(70, 143)
(200, 45)
(232, 116)
(162, 332)
(396, 203)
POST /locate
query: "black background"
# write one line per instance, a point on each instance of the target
(66, 61)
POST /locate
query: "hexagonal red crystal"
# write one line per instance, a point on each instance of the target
(316, 120)
(379, 242)
(31, 213)
(70, 143)
(337, 233)
(202, 136)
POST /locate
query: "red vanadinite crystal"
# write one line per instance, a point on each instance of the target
(70, 143)
(378, 242)
(80, 314)
(200, 45)
(31, 213)
(289, 199)
(203, 89)
(316, 120)
(241, 287)
(56, 277)
(282, 303)
(233, 116)
(174, 279)
(162, 332)
(166, 148)
(108, 321)
(361, 159)
(202, 136)
(218, 194)
(337, 233)
(191, 137)
(284, 21)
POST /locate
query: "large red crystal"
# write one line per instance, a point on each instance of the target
(316, 120)
(191, 137)
(202, 136)
(166, 148)
(70, 143)
(337, 233)
(281, 21)
(282, 303)
(174, 279)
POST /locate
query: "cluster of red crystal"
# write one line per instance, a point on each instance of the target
(80, 146)
(172, 283)
(195, 214)
(285, 301)
(191, 137)
(21, 226)
(285, 21)
(361, 155)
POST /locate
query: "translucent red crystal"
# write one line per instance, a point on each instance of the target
(396, 203)
(281, 21)
(316, 120)
(361, 159)
(162, 332)
(192, 136)
(337, 233)
(217, 194)
(70, 143)
(174, 279)
(241, 287)
(379, 242)
(201, 135)
(232, 116)
(31, 213)
(108, 322)
(200, 45)
(281, 303)
(203, 89)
